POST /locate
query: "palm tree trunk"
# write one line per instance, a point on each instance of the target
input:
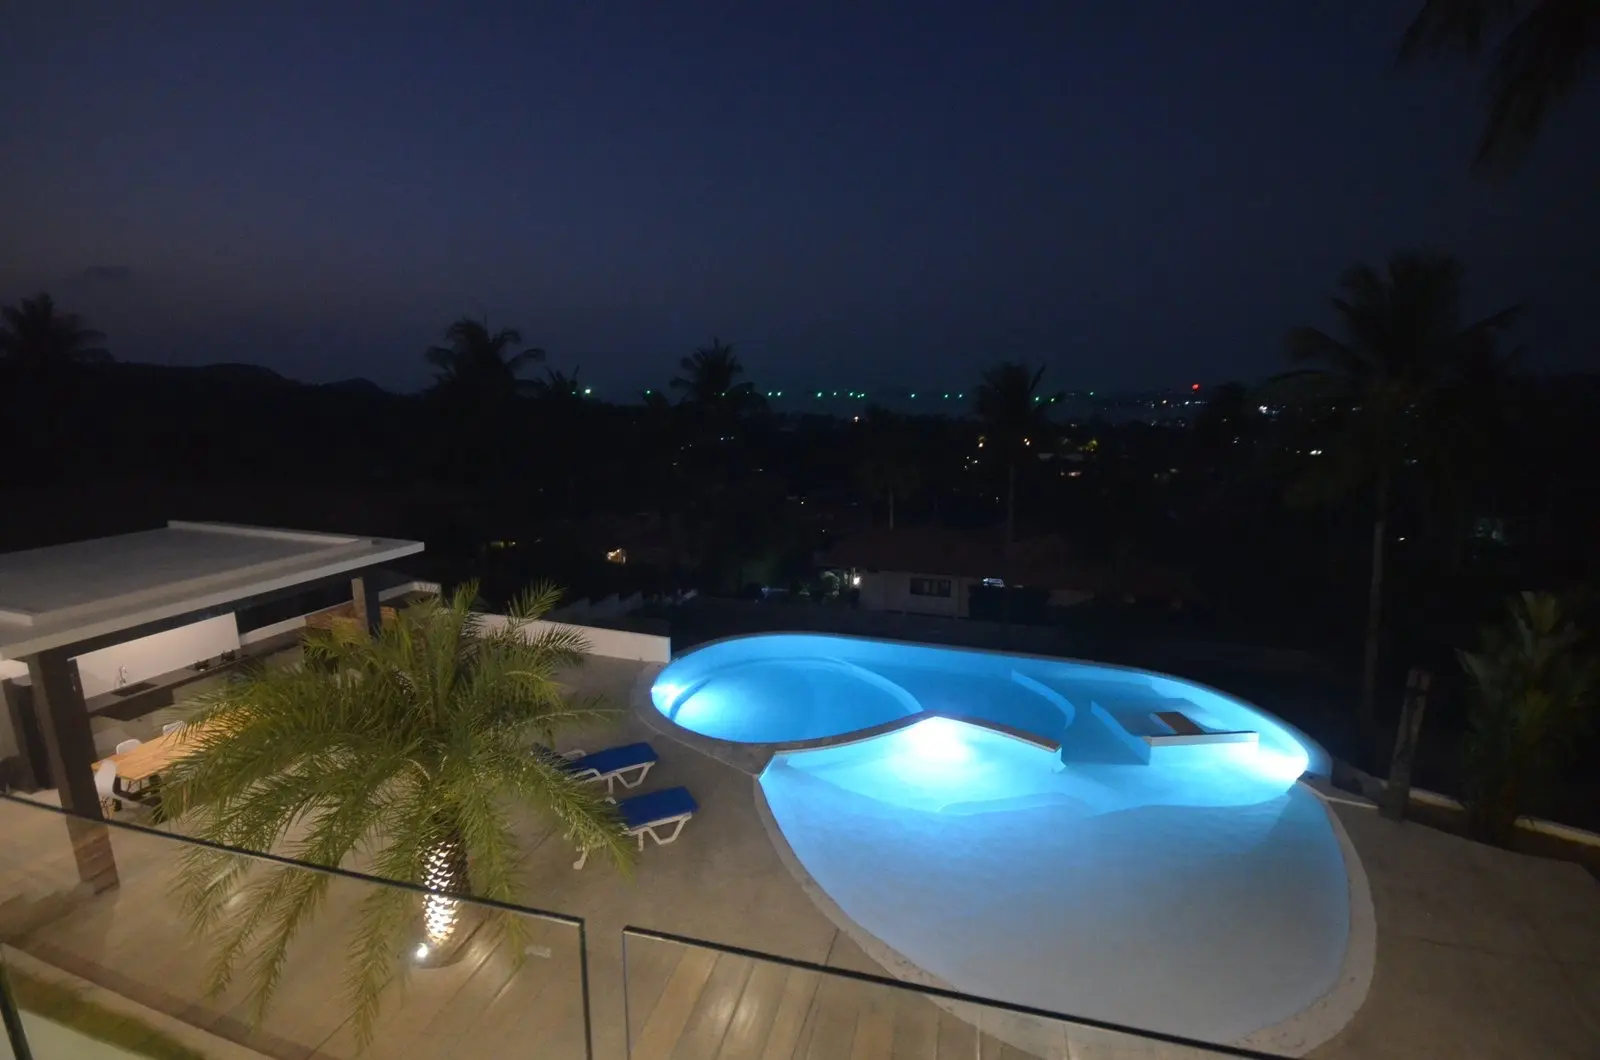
(1365, 715)
(1011, 529)
(445, 870)
(1011, 503)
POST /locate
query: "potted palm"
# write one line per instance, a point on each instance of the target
(405, 755)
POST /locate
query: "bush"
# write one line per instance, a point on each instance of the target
(1531, 687)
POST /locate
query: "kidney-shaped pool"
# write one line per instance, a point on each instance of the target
(1088, 839)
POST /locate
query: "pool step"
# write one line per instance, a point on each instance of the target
(1145, 734)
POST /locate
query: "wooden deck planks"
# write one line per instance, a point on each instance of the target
(702, 1036)
(676, 1004)
(875, 1026)
(756, 1014)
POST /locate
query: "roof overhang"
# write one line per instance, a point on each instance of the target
(90, 590)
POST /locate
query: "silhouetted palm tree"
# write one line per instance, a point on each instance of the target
(1011, 409)
(891, 467)
(480, 365)
(558, 386)
(1382, 387)
(710, 382)
(37, 342)
(1538, 60)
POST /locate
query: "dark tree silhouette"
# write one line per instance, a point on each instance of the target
(558, 386)
(891, 464)
(1383, 387)
(1011, 408)
(39, 343)
(710, 382)
(1536, 60)
(480, 365)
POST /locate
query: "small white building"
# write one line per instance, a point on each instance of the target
(938, 571)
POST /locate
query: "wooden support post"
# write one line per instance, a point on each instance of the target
(1398, 794)
(69, 744)
(368, 608)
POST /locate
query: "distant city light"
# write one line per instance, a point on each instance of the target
(588, 390)
(1194, 386)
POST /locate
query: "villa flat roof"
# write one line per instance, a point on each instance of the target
(64, 594)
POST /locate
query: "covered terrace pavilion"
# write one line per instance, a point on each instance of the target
(60, 603)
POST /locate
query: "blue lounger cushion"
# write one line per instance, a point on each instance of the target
(642, 815)
(612, 759)
(641, 811)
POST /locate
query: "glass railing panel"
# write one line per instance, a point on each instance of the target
(688, 998)
(131, 955)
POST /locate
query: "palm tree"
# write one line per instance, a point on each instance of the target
(404, 755)
(1538, 61)
(478, 365)
(37, 342)
(558, 386)
(1381, 388)
(710, 382)
(1531, 689)
(1011, 409)
(890, 467)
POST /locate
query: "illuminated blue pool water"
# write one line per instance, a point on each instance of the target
(793, 688)
(1012, 828)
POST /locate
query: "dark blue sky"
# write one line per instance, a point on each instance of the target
(1139, 193)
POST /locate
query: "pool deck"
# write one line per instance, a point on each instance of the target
(1482, 954)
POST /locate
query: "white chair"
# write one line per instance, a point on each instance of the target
(127, 745)
(105, 785)
(171, 727)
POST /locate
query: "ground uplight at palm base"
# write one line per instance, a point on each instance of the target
(1011, 832)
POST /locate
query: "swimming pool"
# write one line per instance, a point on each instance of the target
(1082, 838)
(800, 688)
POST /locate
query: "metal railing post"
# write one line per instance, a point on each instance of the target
(13, 1019)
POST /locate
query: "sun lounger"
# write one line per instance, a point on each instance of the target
(642, 815)
(629, 764)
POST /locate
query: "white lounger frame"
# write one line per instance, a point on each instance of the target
(621, 775)
(644, 830)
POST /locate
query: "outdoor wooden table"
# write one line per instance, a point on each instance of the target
(141, 768)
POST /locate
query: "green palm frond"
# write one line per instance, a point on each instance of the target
(1539, 51)
(1400, 361)
(376, 754)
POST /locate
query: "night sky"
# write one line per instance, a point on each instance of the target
(1138, 193)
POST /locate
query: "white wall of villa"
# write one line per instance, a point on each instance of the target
(890, 590)
(138, 660)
